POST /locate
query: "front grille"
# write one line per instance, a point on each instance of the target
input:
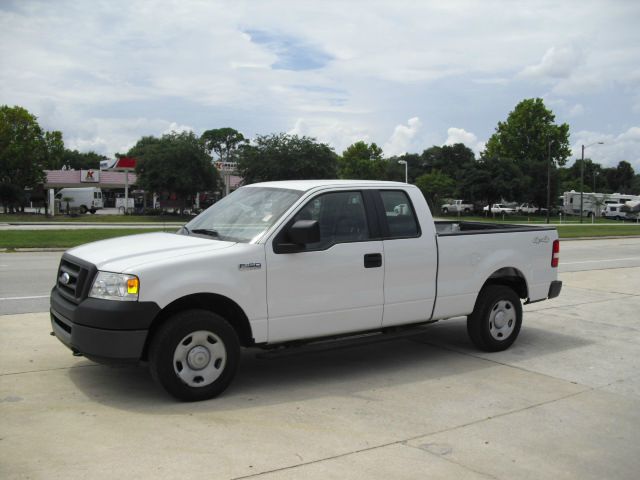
(79, 275)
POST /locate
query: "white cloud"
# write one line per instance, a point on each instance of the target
(460, 135)
(336, 134)
(174, 127)
(576, 110)
(557, 62)
(616, 147)
(402, 138)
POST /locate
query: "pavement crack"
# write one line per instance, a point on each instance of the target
(416, 437)
(450, 460)
(46, 370)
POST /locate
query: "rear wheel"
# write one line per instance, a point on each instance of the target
(496, 319)
(83, 209)
(194, 356)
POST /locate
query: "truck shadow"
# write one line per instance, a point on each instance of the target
(441, 352)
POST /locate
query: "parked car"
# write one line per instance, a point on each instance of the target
(497, 208)
(530, 208)
(457, 206)
(328, 259)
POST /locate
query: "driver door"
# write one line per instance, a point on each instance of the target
(333, 286)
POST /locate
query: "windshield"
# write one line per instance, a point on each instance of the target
(242, 216)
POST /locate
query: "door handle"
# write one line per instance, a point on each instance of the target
(372, 260)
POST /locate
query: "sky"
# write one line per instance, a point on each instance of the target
(406, 75)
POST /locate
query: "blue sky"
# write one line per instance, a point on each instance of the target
(406, 75)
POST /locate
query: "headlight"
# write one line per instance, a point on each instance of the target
(115, 286)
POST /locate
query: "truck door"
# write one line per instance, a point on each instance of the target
(335, 285)
(411, 261)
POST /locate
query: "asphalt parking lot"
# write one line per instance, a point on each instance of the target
(562, 403)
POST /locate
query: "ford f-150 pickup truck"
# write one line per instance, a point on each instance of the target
(283, 263)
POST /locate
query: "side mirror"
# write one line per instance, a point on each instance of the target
(294, 238)
(304, 232)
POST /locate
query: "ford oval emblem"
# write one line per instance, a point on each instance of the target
(65, 278)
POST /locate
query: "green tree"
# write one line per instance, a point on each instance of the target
(224, 142)
(362, 161)
(435, 186)
(624, 177)
(23, 153)
(286, 157)
(175, 163)
(490, 180)
(635, 185)
(75, 160)
(524, 138)
(54, 150)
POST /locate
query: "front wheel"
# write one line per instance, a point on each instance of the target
(445, 211)
(194, 356)
(495, 321)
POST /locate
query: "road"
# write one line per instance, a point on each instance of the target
(27, 278)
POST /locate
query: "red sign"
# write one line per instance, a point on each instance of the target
(125, 162)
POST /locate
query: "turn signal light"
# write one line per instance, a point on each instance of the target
(132, 286)
(555, 256)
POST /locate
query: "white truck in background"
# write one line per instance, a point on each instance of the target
(498, 208)
(86, 199)
(279, 264)
(457, 206)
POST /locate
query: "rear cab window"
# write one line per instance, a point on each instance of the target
(399, 214)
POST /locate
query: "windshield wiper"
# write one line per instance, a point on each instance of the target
(206, 231)
(184, 227)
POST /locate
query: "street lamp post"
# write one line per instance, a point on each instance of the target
(582, 177)
(406, 170)
(549, 182)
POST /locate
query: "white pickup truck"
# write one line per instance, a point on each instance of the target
(283, 263)
(457, 206)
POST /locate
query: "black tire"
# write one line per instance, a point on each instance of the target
(445, 211)
(83, 209)
(484, 332)
(170, 363)
(92, 211)
(466, 210)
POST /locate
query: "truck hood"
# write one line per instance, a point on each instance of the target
(124, 253)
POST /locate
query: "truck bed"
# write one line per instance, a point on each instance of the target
(451, 227)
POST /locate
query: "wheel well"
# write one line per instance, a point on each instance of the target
(219, 304)
(510, 277)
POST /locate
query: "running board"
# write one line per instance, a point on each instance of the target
(327, 344)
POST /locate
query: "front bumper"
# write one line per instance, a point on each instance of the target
(104, 330)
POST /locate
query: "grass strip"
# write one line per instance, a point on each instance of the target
(88, 218)
(573, 231)
(65, 238)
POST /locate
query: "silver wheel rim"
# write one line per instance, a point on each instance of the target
(502, 320)
(200, 358)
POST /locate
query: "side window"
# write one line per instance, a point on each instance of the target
(341, 217)
(399, 213)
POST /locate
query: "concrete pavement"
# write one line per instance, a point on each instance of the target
(563, 402)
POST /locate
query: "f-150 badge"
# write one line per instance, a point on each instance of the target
(249, 266)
